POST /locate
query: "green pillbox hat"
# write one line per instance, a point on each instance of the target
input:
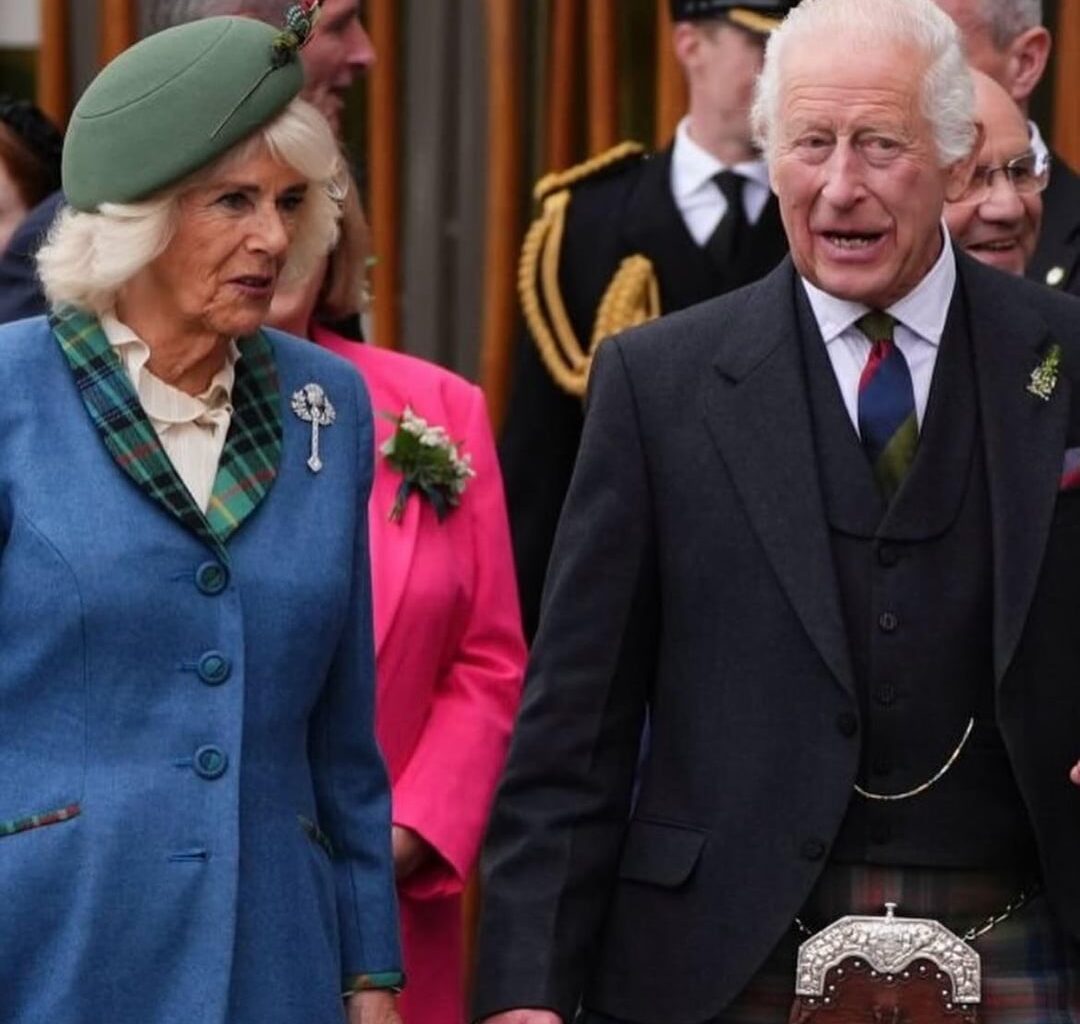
(171, 104)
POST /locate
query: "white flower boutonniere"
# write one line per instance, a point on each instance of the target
(429, 462)
(1044, 377)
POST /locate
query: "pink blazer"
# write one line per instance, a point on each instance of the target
(449, 655)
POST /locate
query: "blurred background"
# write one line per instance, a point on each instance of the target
(469, 102)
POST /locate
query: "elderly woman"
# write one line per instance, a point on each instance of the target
(194, 816)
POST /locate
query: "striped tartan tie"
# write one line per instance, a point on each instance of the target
(887, 421)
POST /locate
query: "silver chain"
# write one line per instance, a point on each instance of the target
(1025, 896)
(923, 787)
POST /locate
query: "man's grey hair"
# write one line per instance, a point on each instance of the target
(948, 96)
(1006, 19)
(160, 14)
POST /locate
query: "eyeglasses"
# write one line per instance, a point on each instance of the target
(1027, 175)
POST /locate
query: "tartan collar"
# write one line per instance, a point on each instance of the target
(252, 451)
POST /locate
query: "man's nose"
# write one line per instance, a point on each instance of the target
(1002, 202)
(844, 181)
(360, 49)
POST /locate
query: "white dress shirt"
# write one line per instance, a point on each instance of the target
(920, 317)
(192, 428)
(696, 195)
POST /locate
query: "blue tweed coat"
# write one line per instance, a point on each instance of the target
(194, 820)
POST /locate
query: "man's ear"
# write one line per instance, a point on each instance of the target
(1028, 54)
(686, 41)
(958, 174)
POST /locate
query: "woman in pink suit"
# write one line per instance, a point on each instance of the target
(449, 648)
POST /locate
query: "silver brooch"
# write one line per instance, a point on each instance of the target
(312, 406)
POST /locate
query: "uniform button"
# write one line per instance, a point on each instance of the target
(813, 849)
(847, 724)
(210, 762)
(211, 578)
(881, 833)
(888, 555)
(888, 622)
(885, 695)
(214, 668)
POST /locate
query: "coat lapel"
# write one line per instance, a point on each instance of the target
(1025, 442)
(252, 453)
(758, 414)
(248, 463)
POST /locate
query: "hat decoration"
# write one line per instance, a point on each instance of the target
(300, 19)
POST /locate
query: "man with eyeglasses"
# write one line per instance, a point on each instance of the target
(1006, 39)
(997, 219)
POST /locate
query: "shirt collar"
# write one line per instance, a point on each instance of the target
(922, 311)
(161, 400)
(693, 166)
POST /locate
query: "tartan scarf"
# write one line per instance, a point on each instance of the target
(252, 452)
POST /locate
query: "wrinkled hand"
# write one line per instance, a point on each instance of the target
(375, 1007)
(410, 852)
(524, 1017)
(1074, 774)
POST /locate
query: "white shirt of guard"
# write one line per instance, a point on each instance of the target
(700, 202)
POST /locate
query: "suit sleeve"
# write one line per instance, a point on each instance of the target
(554, 842)
(445, 791)
(351, 786)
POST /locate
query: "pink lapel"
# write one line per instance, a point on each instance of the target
(392, 544)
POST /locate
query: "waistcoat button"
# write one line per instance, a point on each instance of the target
(813, 849)
(888, 622)
(847, 724)
(887, 555)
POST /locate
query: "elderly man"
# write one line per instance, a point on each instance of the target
(1006, 39)
(337, 53)
(997, 218)
(817, 530)
(687, 224)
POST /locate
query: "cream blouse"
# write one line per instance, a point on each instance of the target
(192, 428)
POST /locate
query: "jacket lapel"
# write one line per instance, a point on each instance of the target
(252, 450)
(1025, 442)
(123, 426)
(252, 453)
(757, 411)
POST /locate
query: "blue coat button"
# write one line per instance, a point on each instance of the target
(211, 578)
(210, 762)
(214, 668)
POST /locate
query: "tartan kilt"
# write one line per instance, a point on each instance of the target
(1030, 970)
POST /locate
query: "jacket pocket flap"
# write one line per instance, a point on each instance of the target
(660, 852)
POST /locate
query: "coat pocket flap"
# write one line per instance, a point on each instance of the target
(662, 853)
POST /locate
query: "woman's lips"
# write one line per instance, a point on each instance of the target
(255, 285)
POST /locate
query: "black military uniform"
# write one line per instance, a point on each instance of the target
(609, 250)
(1057, 257)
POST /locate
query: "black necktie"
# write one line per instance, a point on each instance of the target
(723, 244)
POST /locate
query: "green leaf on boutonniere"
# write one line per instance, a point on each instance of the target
(429, 462)
(1044, 377)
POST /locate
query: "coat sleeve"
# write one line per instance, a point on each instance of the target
(553, 846)
(351, 786)
(446, 789)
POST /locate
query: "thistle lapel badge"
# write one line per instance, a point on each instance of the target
(1044, 377)
(312, 406)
